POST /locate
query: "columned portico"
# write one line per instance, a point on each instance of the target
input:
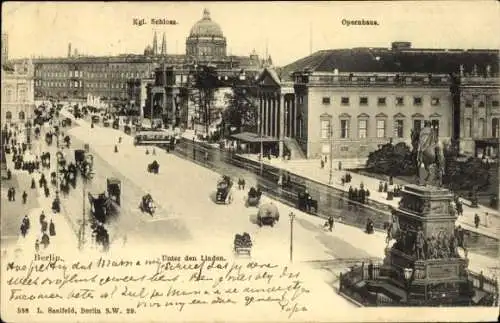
(277, 115)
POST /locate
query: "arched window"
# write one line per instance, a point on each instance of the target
(8, 115)
(21, 115)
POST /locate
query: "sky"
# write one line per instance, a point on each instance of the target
(288, 28)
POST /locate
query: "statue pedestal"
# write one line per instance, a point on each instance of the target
(437, 274)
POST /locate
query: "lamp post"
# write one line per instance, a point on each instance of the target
(330, 179)
(261, 146)
(292, 217)
(408, 273)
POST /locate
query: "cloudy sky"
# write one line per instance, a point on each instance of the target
(45, 28)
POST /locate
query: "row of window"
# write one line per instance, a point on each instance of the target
(468, 103)
(481, 128)
(76, 84)
(381, 128)
(91, 75)
(382, 101)
(21, 116)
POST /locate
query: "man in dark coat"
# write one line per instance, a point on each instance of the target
(25, 197)
(52, 229)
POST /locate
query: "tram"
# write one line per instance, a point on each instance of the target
(157, 137)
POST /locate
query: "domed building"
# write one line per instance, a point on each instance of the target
(206, 39)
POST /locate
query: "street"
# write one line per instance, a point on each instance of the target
(187, 209)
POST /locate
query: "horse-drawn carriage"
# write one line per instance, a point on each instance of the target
(106, 122)
(154, 167)
(242, 244)
(254, 196)
(127, 129)
(268, 214)
(306, 203)
(147, 204)
(224, 193)
(105, 205)
(116, 123)
(66, 122)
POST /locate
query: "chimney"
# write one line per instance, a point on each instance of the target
(69, 50)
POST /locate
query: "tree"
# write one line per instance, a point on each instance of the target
(206, 82)
(392, 160)
(241, 109)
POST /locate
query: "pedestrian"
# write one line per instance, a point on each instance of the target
(486, 216)
(25, 197)
(42, 217)
(386, 187)
(13, 194)
(23, 230)
(45, 240)
(322, 163)
(9, 194)
(476, 220)
(52, 229)
(116, 148)
(26, 222)
(243, 183)
(44, 225)
(340, 165)
(331, 223)
(37, 246)
(9, 174)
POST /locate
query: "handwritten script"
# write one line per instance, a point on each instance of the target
(170, 283)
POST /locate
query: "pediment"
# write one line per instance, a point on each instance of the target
(325, 116)
(417, 116)
(399, 115)
(363, 115)
(268, 78)
(381, 115)
(345, 115)
(435, 115)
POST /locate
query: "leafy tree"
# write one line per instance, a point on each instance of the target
(206, 82)
(241, 111)
(392, 160)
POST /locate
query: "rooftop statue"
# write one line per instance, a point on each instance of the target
(429, 155)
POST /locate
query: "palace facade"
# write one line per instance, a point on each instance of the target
(348, 102)
(17, 100)
(113, 78)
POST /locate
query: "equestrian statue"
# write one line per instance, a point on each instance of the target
(429, 155)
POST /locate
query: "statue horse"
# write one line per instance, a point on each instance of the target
(429, 156)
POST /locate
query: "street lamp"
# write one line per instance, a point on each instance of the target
(261, 147)
(292, 217)
(330, 180)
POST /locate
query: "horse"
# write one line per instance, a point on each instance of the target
(429, 155)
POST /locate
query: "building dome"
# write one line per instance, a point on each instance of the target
(206, 27)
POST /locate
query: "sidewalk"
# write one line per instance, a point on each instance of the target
(311, 169)
(66, 238)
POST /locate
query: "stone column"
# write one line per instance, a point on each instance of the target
(275, 115)
(269, 114)
(281, 133)
(260, 116)
(264, 114)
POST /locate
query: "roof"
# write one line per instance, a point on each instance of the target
(206, 27)
(252, 137)
(412, 60)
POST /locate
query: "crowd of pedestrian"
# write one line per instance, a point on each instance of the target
(360, 195)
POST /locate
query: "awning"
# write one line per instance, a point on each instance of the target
(253, 137)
